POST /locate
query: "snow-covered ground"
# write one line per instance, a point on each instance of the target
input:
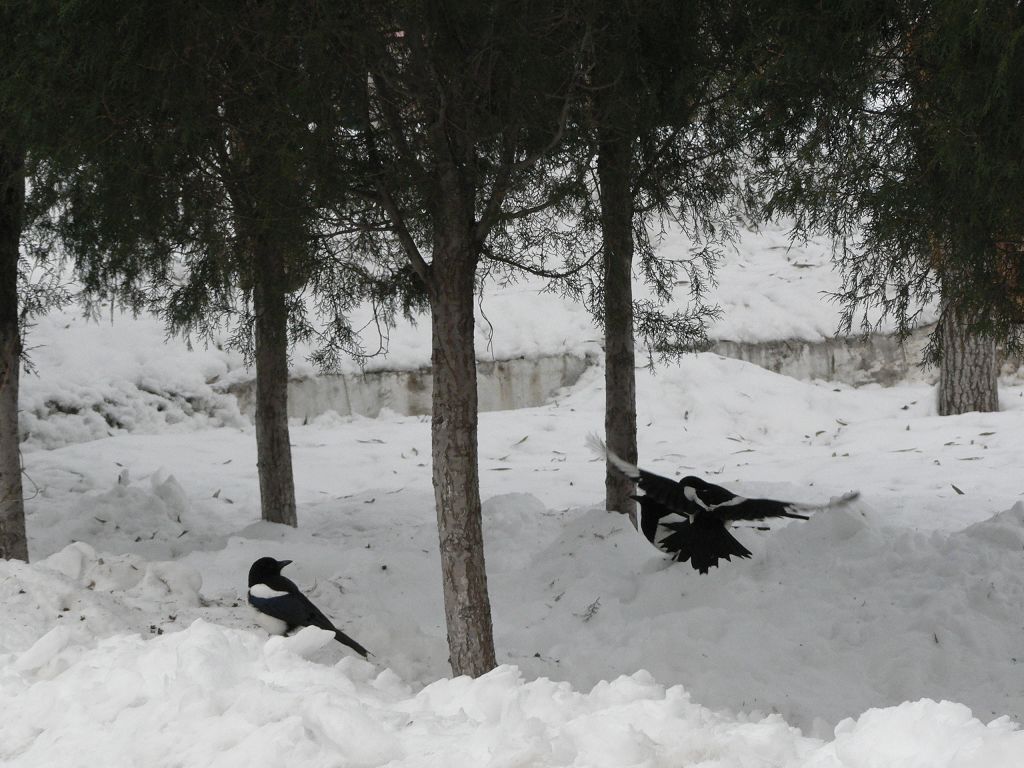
(889, 633)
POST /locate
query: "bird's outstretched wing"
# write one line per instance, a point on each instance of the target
(740, 508)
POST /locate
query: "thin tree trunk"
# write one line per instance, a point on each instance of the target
(467, 606)
(273, 443)
(614, 164)
(969, 369)
(13, 541)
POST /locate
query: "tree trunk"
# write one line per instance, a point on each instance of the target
(273, 443)
(614, 165)
(467, 606)
(969, 370)
(13, 541)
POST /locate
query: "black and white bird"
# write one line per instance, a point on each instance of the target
(687, 518)
(281, 607)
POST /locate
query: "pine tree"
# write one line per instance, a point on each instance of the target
(20, 297)
(464, 102)
(191, 164)
(968, 370)
(666, 145)
(906, 145)
(13, 541)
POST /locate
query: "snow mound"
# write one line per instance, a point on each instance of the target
(519, 517)
(1003, 531)
(82, 595)
(95, 379)
(71, 413)
(154, 517)
(840, 597)
(922, 734)
(215, 696)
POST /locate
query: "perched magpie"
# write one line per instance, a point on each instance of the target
(281, 607)
(687, 519)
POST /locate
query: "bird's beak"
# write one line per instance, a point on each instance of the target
(283, 563)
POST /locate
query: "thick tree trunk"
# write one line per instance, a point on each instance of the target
(969, 369)
(454, 447)
(614, 165)
(273, 443)
(13, 542)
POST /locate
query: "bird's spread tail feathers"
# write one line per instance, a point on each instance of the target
(596, 444)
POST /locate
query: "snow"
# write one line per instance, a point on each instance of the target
(770, 288)
(91, 379)
(209, 695)
(886, 633)
(214, 696)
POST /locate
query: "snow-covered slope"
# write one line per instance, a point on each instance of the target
(912, 593)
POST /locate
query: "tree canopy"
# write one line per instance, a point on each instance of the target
(908, 149)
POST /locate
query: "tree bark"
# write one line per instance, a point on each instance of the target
(614, 166)
(13, 540)
(454, 445)
(273, 442)
(969, 369)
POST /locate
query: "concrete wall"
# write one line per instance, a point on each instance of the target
(501, 385)
(877, 359)
(525, 383)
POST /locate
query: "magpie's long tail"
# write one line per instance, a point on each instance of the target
(708, 543)
(703, 542)
(344, 639)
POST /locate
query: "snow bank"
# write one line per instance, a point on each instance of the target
(78, 595)
(94, 379)
(827, 618)
(215, 696)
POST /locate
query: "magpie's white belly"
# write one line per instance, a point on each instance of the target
(271, 625)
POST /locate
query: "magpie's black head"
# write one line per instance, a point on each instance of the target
(265, 569)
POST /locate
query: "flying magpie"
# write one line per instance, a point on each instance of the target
(281, 607)
(687, 518)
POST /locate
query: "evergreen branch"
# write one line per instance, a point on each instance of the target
(538, 271)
